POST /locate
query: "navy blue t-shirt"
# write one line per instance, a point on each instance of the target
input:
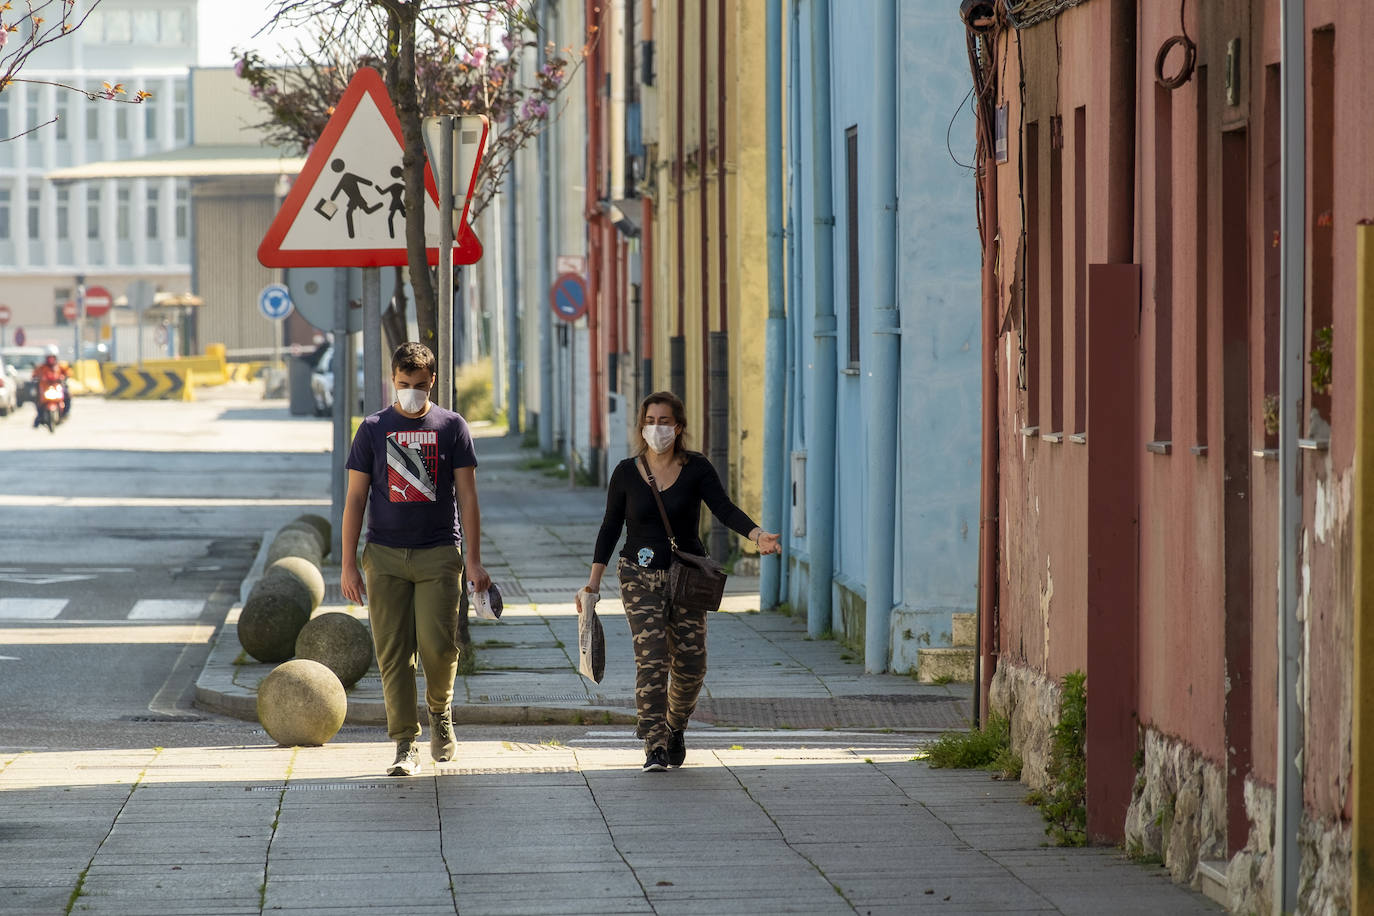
(411, 461)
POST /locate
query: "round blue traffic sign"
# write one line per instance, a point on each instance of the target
(275, 301)
(568, 298)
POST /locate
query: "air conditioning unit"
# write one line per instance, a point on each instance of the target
(799, 494)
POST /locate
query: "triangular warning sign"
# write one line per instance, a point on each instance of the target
(347, 206)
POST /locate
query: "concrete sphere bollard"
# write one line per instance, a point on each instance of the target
(303, 576)
(320, 524)
(301, 703)
(294, 544)
(271, 619)
(338, 641)
(320, 541)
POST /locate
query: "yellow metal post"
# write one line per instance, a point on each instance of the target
(1362, 781)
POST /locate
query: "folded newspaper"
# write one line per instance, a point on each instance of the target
(591, 639)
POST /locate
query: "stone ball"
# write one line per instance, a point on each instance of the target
(294, 544)
(338, 641)
(301, 703)
(271, 619)
(320, 524)
(321, 542)
(303, 575)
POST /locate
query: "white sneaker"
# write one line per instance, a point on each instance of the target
(407, 761)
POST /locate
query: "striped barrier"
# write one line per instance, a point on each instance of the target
(133, 383)
(209, 370)
(86, 378)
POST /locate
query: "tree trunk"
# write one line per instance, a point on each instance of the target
(394, 318)
(413, 163)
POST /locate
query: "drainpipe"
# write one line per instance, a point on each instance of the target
(514, 358)
(1292, 251)
(616, 125)
(546, 408)
(720, 339)
(884, 361)
(677, 344)
(775, 338)
(1362, 741)
(820, 463)
(703, 152)
(794, 433)
(989, 513)
(1121, 134)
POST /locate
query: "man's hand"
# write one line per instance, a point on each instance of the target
(478, 577)
(351, 583)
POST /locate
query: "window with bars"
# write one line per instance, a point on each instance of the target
(92, 212)
(35, 214)
(123, 229)
(153, 200)
(851, 219)
(64, 228)
(4, 214)
(183, 212)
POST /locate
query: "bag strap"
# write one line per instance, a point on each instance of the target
(662, 513)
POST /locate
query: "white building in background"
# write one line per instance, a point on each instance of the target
(111, 231)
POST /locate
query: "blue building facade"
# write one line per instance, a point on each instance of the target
(934, 541)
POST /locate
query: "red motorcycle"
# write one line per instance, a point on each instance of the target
(50, 403)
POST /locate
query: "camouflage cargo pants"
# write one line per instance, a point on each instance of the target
(670, 653)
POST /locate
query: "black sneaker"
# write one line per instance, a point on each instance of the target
(656, 761)
(677, 747)
(442, 744)
(407, 761)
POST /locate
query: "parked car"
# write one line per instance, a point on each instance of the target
(9, 389)
(322, 383)
(21, 361)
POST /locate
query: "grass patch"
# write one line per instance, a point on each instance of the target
(942, 680)
(472, 398)
(1064, 803)
(243, 658)
(77, 892)
(976, 749)
(497, 644)
(543, 463)
(467, 660)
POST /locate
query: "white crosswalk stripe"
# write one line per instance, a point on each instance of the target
(31, 608)
(166, 609)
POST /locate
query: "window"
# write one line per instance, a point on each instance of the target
(35, 213)
(179, 111)
(1080, 270)
(174, 27)
(1164, 264)
(1323, 167)
(4, 118)
(153, 200)
(122, 214)
(183, 211)
(150, 111)
(63, 113)
(93, 27)
(1273, 170)
(145, 27)
(4, 214)
(121, 121)
(64, 228)
(1203, 264)
(31, 120)
(93, 123)
(851, 160)
(119, 26)
(92, 211)
(1030, 279)
(1057, 280)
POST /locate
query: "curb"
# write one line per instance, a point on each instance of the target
(216, 691)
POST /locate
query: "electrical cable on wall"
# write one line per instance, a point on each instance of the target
(1185, 73)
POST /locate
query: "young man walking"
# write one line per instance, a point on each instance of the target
(407, 464)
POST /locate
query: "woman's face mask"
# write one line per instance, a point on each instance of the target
(659, 438)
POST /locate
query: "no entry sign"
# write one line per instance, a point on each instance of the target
(98, 301)
(568, 298)
(4, 314)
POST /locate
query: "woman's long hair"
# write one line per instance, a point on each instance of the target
(679, 417)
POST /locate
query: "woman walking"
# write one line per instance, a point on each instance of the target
(669, 641)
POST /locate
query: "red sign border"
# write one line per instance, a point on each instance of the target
(553, 295)
(467, 250)
(93, 292)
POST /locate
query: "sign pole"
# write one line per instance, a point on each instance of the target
(80, 316)
(444, 177)
(343, 371)
(372, 340)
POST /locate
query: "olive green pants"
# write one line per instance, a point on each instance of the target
(412, 604)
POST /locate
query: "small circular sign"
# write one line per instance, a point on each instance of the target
(4, 314)
(69, 310)
(568, 298)
(98, 301)
(275, 301)
(20, 337)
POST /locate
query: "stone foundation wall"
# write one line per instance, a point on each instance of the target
(1030, 701)
(1178, 807)
(1323, 867)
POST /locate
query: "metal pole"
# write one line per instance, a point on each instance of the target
(372, 340)
(883, 377)
(1362, 654)
(342, 368)
(443, 389)
(1292, 242)
(546, 395)
(512, 316)
(80, 331)
(820, 463)
(775, 339)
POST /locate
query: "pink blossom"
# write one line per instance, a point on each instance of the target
(238, 67)
(508, 42)
(4, 35)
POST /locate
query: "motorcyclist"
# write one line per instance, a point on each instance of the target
(49, 372)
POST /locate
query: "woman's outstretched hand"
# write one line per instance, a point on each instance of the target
(769, 543)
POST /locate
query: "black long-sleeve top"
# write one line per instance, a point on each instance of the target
(630, 504)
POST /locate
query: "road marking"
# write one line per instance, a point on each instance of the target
(31, 608)
(166, 609)
(9, 658)
(43, 579)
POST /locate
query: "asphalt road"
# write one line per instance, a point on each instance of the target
(124, 537)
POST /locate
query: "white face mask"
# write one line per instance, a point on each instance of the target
(412, 400)
(659, 438)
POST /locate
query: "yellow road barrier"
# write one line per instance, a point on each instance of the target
(133, 383)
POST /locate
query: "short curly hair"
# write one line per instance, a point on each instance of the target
(412, 357)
